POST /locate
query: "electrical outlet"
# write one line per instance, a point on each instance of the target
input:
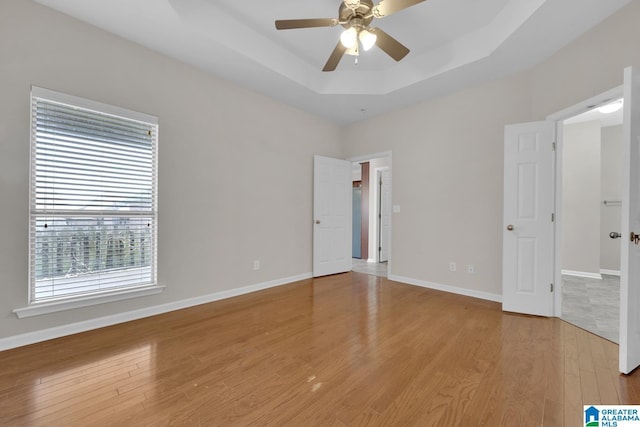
(256, 265)
(452, 266)
(471, 268)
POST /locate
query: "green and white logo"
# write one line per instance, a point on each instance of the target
(612, 415)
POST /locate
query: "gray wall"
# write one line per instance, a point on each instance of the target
(610, 216)
(592, 172)
(581, 197)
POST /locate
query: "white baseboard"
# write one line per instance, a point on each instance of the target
(447, 288)
(610, 272)
(101, 322)
(582, 274)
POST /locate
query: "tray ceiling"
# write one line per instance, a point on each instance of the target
(454, 43)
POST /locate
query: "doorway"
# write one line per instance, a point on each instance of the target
(588, 206)
(523, 275)
(371, 242)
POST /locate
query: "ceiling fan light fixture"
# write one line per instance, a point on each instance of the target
(611, 107)
(349, 38)
(367, 39)
(353, 50)
(355, 16)
(352, 4)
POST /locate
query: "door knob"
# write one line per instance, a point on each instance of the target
(317, 221)
(635, 238)
(615, 235)
(510, 227)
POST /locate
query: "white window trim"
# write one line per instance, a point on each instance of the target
(74, 302)
(39, 92)
(39, 308)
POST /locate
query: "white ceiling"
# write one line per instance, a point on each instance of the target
(454, 43)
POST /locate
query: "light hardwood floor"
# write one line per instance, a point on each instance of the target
(349, 349)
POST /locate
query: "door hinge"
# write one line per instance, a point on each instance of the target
(550, 287)
(553, 217)
(379, 248)
(553, 146)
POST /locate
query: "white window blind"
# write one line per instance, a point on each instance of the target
(93, 197)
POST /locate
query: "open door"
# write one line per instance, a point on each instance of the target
(332, 216)
(528, 245)
(630, 253)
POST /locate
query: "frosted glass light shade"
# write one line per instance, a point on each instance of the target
(612, 107)
(349, 38)
(367, 39)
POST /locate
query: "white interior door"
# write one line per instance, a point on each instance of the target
(528, 244)
(331, 216)
(630, 253)
(385, 215)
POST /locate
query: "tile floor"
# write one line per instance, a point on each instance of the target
(592, 304)
(373, 268)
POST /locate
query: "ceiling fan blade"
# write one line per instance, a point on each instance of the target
(291, 24)
(388, 7)
(335, 57)
(389, 45)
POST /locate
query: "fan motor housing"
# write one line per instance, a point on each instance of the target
(362, 12)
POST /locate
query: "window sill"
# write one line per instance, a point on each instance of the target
(38, 309)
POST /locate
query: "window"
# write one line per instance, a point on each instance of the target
(93, 198)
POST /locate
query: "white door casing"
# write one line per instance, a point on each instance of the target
(528, 228)
(385, 215)
(630, 251)
(331, 216)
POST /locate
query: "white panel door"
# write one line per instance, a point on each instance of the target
(385, 215)
(528, 244)
(332, 216)
(630, 253)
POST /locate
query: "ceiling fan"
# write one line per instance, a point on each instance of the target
(355, 16)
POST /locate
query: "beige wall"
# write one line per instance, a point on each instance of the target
(447, 154)
(581, 197)
(235, 167)
(447, 179)
(589, 66)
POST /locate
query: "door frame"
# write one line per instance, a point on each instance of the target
(379, 172)
(365, 172)
(369, 157)
(558, 118)
(356, 185)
